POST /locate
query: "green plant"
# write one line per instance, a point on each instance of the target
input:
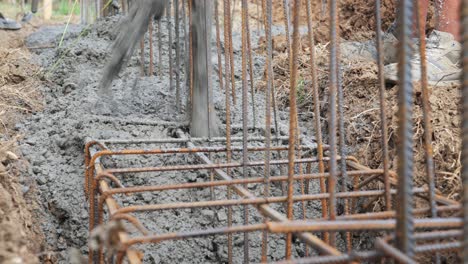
(301, 91)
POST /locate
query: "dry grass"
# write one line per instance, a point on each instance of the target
(20, 235)
(362, 115)
(281, 71)
(18, 87)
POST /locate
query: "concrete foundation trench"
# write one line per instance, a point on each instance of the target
(127, 182)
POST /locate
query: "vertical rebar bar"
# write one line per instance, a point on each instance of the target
(383, 105)
(209, 94)
(169, 46)
(231, 55)
(421, 25)
(218, 45)
(142, 56)
(323, 8)
(251, 72)
(151, 61)
(124, 7)
(159, 47)
(288, 49)
(464, 124)
(292, 123)
(258, 17)
(316, 102)
(186, 52)
(190, 97)
(342, 133)
(426, 111)
(227, 47)
(177, 62)
(269, 79)
(245, 131)
(287, 24)
(404, 231)
(333, 12)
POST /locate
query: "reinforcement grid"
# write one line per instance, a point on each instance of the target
(311, 196)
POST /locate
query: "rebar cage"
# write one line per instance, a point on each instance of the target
(258, 191)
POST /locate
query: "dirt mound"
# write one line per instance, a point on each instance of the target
(363, 126)
(357, 18)
(360, 88)
(362, 115)
(20, 235)
(18, 86)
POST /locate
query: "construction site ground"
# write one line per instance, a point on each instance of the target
(51, 108)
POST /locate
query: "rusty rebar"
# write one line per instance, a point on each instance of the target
(251, 70)
(228, 23)
(316, 102)
(404, 234)
(159, 48)
(464, 126)
(333, 13)
(218, 45)
(314, 176)
(269, 75)
(169, 45)
(292, 124)
(245, 104)
(142, 56)
(177, 51)
(426, 109)
(151, 53)
(228, 83)
(439, 224)
(383, 105)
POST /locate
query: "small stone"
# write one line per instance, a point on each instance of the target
(36, 170)
(41, 180)
(69, 87)
(192, 177)
(135, 133)
(11, 156)
(25, 189)
(30, 142)
(39, 161)
(208, 214)
(147, 197)
(222, 216)
(84, 214)
(61, 143)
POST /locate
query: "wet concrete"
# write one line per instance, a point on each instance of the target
(54, 143)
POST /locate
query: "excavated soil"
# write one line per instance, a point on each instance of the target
(21, 238)
(361, 101)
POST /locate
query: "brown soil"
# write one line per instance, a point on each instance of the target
(20, 235)
(361, 95)
(362, 122)
(357, 21)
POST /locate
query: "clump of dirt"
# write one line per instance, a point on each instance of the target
(357, 19)
(15, 39)
(19, 233)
